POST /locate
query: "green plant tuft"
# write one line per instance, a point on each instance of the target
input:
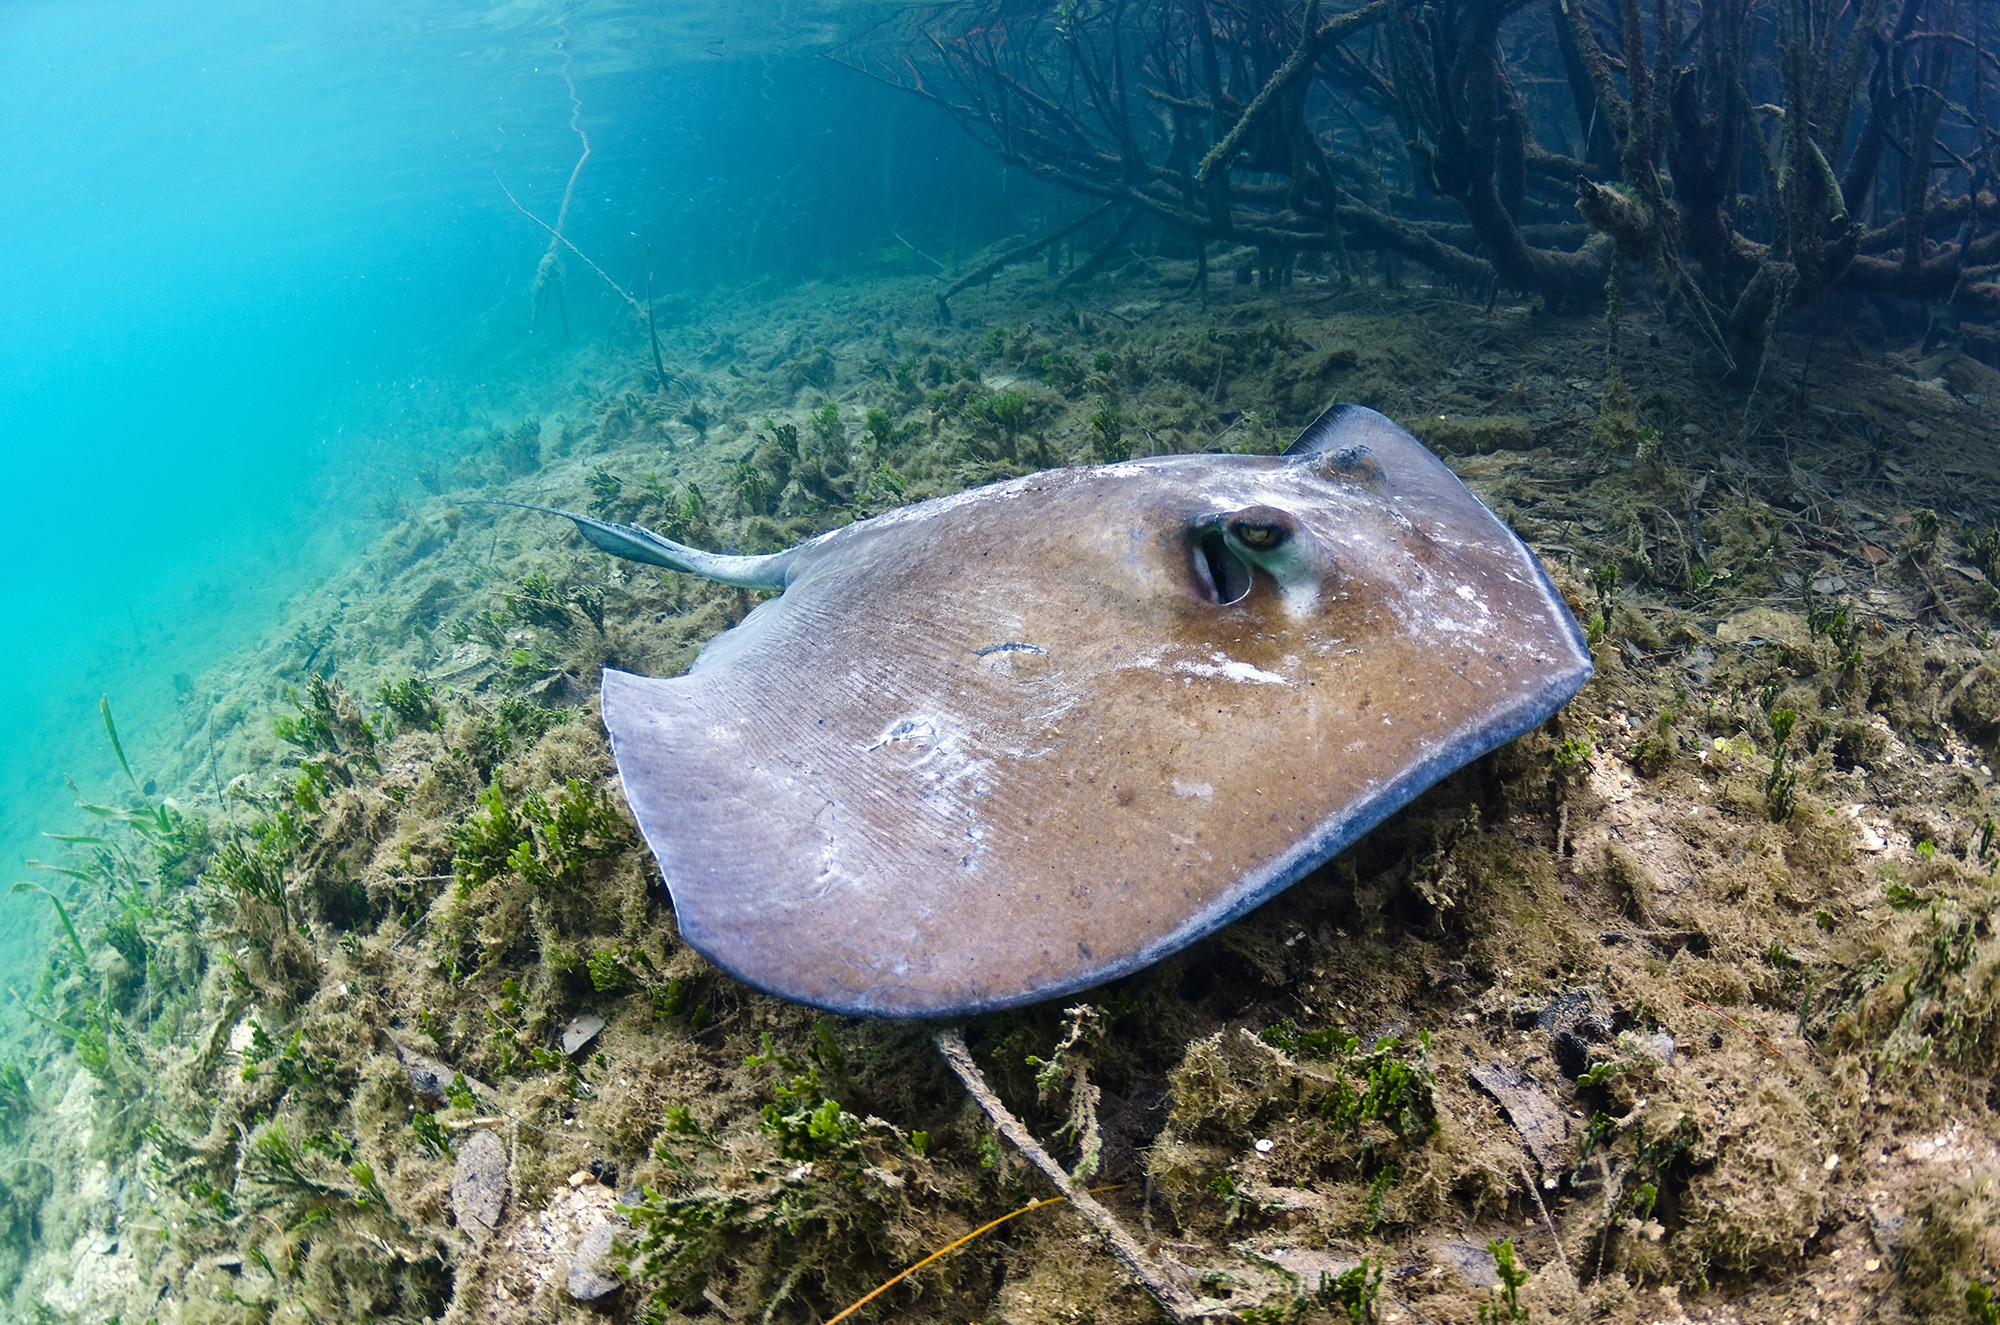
(1503, 1302)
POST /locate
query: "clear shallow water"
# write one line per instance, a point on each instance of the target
(254, 246)
(226, 220)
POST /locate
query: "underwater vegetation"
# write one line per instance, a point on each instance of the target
(376, 1008)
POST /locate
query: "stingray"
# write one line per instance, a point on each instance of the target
(1001, 746)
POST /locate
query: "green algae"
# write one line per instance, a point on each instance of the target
(426, 841)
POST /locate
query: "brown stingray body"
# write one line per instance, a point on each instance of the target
(998, 747)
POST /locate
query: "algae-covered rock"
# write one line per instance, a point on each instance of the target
(479, 1186)
(1534, 1115)
(1951, 1236)
(1764, 625)
(434, 1080)
(1763, 1199)
(1858, 743)
(1976, 707)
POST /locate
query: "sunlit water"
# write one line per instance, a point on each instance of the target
(261, 259)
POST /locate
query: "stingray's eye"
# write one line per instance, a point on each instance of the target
(1260, 535)
(1262, 529)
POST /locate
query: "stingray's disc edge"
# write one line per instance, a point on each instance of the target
(1330, 837)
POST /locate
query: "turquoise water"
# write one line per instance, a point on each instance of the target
(229, 224)
(263, 261)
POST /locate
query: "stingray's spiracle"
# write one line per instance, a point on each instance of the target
(1222, 577)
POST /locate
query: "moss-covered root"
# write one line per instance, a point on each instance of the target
(1165, 1281)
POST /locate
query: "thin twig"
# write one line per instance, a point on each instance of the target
(1179, 1302)
(576, 126)
(1938, 598)
(1562, 1257)
(1776, 1052)
(549, 271)
(560, 238)
(941, 268)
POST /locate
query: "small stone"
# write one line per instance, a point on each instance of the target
(580, 1177)
(1307, 1266)
(1534, 1115)
(432, 1079)
(582, 1029)
(479, 1186)
(1871, 1265)
(1471, 1259)
(230, 1261)
(591, 1276)
(1575, 1019)
(1265, 1145)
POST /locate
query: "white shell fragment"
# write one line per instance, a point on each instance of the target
(582, 1029)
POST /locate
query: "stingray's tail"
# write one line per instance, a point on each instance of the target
(637, 543)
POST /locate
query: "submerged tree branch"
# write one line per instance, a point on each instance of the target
(1015, 254)
(1262, 125)
(1157, 1280)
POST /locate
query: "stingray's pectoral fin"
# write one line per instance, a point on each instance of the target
(638, 543)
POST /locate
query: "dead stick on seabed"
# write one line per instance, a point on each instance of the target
(953, 1246)
(1179, 1302)
(1015, 254)
(653, 332)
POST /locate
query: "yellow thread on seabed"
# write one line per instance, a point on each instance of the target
(950, 1247)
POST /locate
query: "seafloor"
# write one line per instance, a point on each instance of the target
(1684, 1004)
